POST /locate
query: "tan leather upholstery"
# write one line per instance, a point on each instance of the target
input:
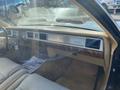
(36, 82)
(17, 82)
(8, 82)
(14, 77)
(7, 68)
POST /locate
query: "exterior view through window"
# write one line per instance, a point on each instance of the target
(113, 8)
(48, 13)
(52, 45)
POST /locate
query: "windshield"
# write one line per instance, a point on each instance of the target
(63, 13)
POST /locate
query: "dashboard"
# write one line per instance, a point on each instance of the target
(92, 46)
(69, 40)
(87, 46)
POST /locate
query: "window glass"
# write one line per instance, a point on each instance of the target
(47, 13)
(55, 39)
(113, 8)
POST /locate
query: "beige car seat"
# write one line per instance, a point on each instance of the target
(14, 77)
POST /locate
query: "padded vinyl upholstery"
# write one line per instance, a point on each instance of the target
(17, 82)
(7, 68)
(37, 82)
(9, 81)
(14, 77)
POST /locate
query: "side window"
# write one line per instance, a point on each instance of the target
(112, 7)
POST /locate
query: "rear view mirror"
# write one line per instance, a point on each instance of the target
(12, 13)
(13, 9)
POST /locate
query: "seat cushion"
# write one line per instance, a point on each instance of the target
(13, 78)
(7, 68)
(14, 85)
(37, 82)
